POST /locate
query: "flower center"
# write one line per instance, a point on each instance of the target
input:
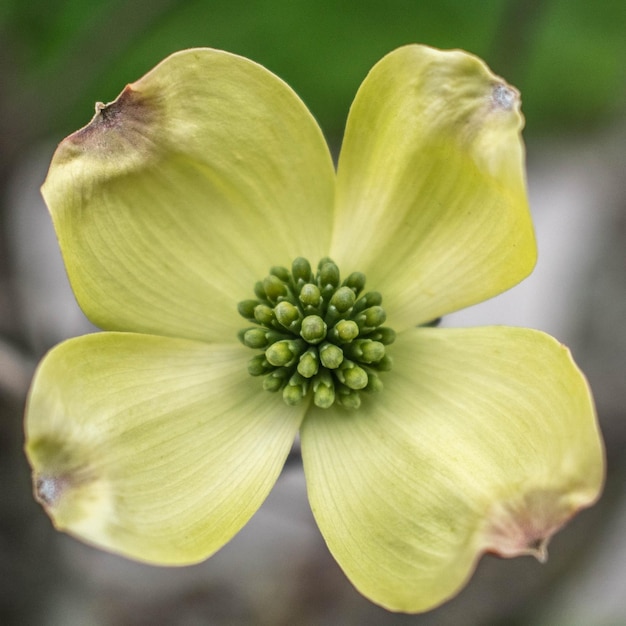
(318, 334)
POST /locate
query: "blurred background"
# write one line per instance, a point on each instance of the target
(57, 58)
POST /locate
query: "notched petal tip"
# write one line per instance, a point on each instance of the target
(127, 106)
(117, 137)
(72, 492)
(525, 525)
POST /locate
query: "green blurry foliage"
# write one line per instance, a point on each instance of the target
(565, 55)
(574, 73)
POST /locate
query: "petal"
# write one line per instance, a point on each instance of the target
(431, 198)
(184, 191)
(155, 448)
(482, 440)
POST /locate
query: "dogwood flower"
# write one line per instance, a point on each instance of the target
(205, 229)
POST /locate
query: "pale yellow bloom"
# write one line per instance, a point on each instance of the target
(151, 439)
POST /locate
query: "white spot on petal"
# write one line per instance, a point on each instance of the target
(504, 97)
(49, 489)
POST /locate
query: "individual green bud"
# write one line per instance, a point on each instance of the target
(323, 390)
(331, 356)
(371, 298)
(374, 383)
(372, 317)
(255, 338)
(310, 295)
(313, 329)
(264, 314)
(246, 308)
(258, 365)
(352, 376)
(373, 352)
(274, 381)
(309, 363)
(328, 275)
(292, 395)
(345, 331)
(384, 334)
(348, 398)
(295, 390)
(356, 282)
(301, 270)
(240, 335)
(274, 288)
(287, 314)
(324, 397)
(282, 352)
(343, 299)
(259, 291)
(367, 350)
(282, 273)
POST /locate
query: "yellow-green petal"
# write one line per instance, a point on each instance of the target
(155, 448)
(431, 197)
(482, 440)
(183, 192)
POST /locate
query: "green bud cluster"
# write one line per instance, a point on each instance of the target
(318, 334)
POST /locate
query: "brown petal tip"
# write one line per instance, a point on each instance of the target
(121, 135)
(525, 525)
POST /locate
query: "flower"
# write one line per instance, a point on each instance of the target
(152, 440)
